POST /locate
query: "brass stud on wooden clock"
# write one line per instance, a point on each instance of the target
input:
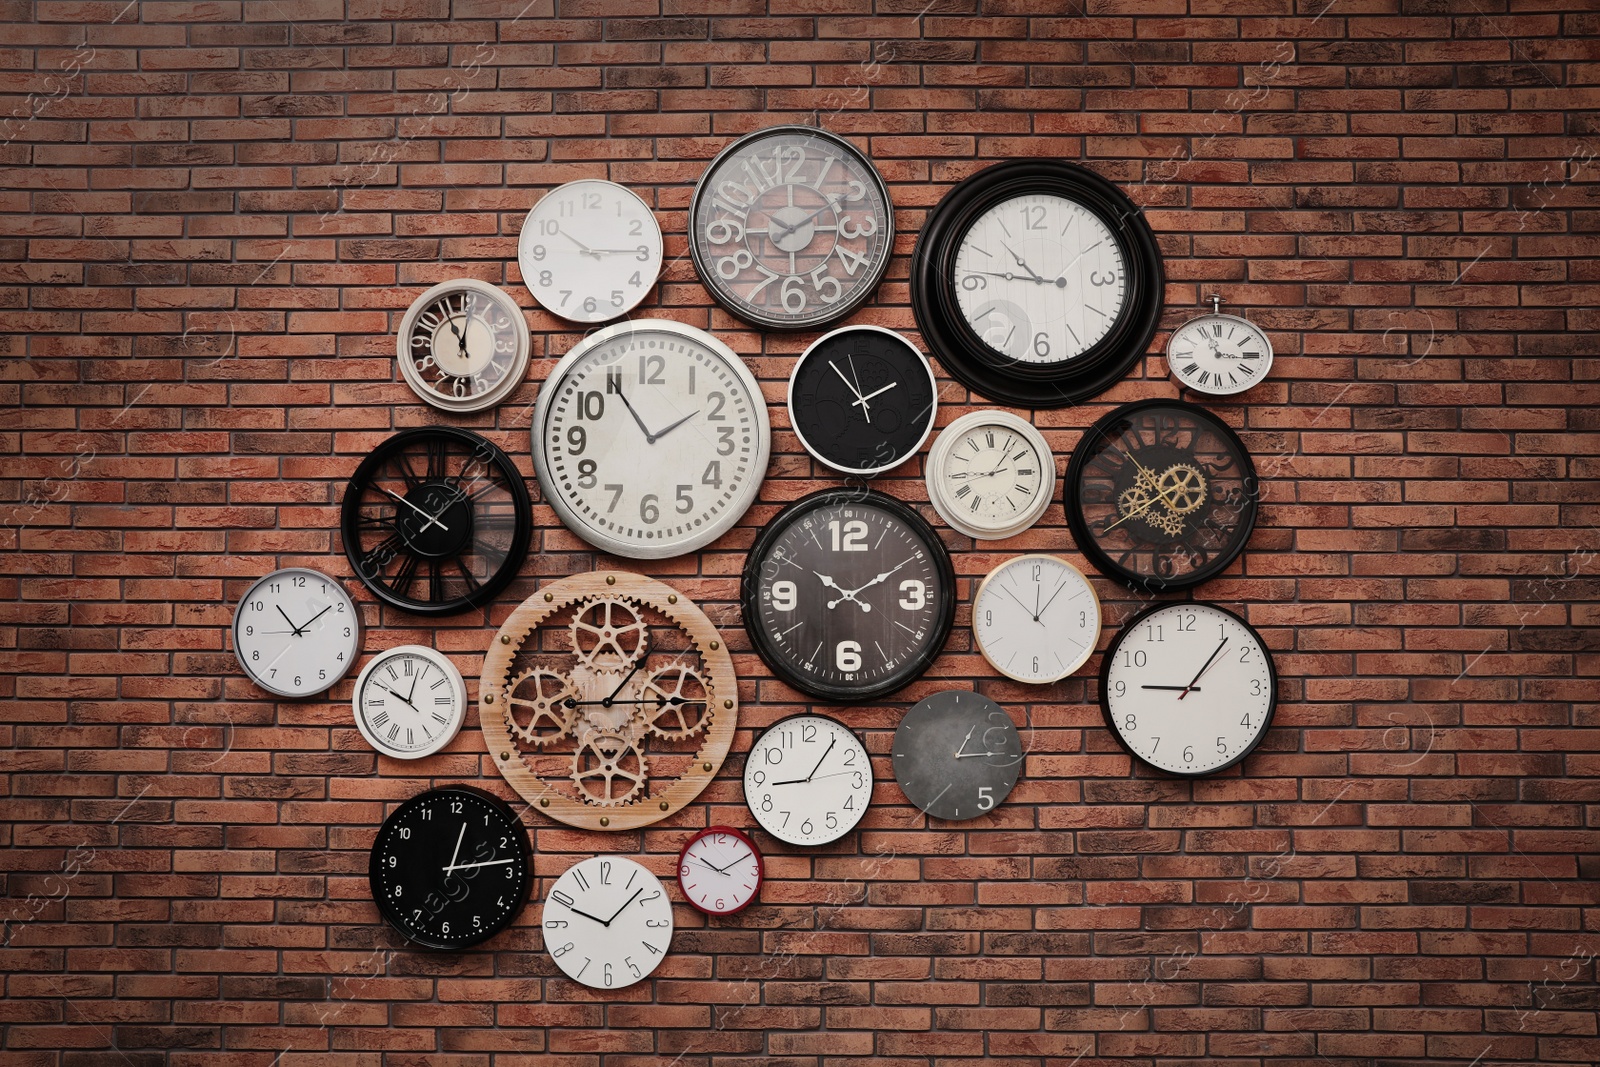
(488, 698)
(605, 820)
(505, 639)
(548, 597)
(611, 579)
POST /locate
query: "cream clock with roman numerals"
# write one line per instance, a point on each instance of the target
(1218, 354)
(990, 475)
(410, 702)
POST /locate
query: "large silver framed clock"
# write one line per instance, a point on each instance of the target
(650, 439)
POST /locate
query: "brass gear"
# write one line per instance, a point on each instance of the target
(608, 634)
(609, 769)
(681, 704)
(1165, 521)
(1182, 488)
(549, 718)
(1133, 499)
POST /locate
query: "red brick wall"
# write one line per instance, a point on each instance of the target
(213, 216)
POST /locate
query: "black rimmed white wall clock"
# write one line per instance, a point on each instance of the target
(1161, 495)
(862, 399)
(436, 520)
(1036, 283)
(808, 780)
(848, 594)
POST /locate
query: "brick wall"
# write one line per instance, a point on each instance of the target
(214, 215)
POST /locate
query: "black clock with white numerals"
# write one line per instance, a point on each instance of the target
(957, 754)
(848, 595)
(450, 868)
(862, 399)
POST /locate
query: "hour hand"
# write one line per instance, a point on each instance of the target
(649, 437)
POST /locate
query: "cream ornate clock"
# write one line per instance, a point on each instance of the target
(463, 345)
(990, 475)
(608, 700)
(410, 701)
(1218, 354)
(590, 250)
(607, 922)
(1036, 618)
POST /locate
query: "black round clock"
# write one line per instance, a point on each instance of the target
(862, 399)
(956, 754)
(450, 868)
(848, 595)
(1161, 495)
(436, 520)
(1037, 283)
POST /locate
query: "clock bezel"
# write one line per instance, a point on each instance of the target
(515, 375)
(1217, 316)
(972, 362)
(458, 688)
(947, 441)
(1099, 615)
(731, 831)
(872, 780)
(933, 405)
(1105, 692)
(357, 638)
(656, 264)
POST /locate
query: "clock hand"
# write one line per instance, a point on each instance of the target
(413, 692)
(833, 202)
(875, 392)
(461, 342)
(852, 593)
(825, 752)
(614, 703)
(1053, 596)
(971, 755)
(859, 400)
(624, 907)
(317, 616)
(709, 867)
(456, 854)
(1203, 669)
(848, 594)
(1061, 279)
(1020, 604)
(596, 918)
(649, 437)
(585, 250)
(963, 746)
(296, 630)
(820, 777)
(1024, 265)
(485, 863)
(413, 707)
(662, 433)
(1174, 688)
(612, 696)
(1007, 275)
(433, 520)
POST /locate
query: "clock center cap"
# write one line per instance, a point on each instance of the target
(440, 524)
(790, 230)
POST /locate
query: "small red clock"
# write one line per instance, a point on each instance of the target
(720, 870)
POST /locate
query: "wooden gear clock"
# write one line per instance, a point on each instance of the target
(608, 701)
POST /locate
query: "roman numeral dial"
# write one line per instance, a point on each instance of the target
(1219, 355)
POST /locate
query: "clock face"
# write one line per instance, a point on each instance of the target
(463, 345)
(1188, 688)
(296, 632)
(848, 595)
(1036, 618)
(862, 399)
(720, 871)
(607, 922)
(590, 250)
(1161, 495)
(410, 702)
(450, 868)
(808, 780)
(791, 228)
(650, 439)
(436, 520)
(1219, 354)
(990, 475)
(956, 754)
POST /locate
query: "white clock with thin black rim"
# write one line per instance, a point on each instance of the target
(607, 922)
(590, 250)
(990, 475)
(463, 345)
(650, 439)
(1219, 354)
(1036, 618)
(808, 780)
(296, 632)
(410, 701)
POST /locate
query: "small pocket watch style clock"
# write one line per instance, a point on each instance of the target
(791, 228)
(720, 871)
(808, 780)
(1036, 618)
(296, 632)
(1161, 494)
(1188, 688)
(590, 250)
(956, 754)
(1218, 354)
(1037, 283)
(862, 399)
(450, 868)
(607, 922)
(410, 701)
(463, 345)
(990, 475)
(436, 520)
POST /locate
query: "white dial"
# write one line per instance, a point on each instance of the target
(607, 922)
(590, 250)
(808, 780)
(990, 475)
(650, 439)
(1219, 354)
(463, 345)
(720, 871)
(296, 632)
(1040, 278)
(1188, 688)
(1036, 618)
(410, 702)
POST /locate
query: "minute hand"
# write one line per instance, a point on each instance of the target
(879, 578)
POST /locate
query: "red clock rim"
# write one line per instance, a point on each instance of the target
(761, 868)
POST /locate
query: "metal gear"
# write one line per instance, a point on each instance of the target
(608, 634)
(544, 703)
(1165, 521)
(1182, 488)
(1133, 499)
(675, 702)
(609, 769)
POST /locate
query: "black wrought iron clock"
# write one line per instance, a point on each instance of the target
(1037, 283)
(436, 520)
(1161, 494)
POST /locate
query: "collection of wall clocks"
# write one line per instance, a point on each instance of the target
(862, 399)
(990, 475)
(808, 780)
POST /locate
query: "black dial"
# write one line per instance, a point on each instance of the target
(436, 520)
(1161, 494)
(862, 399)
(848, 595)
(956, 754)
(450, 868)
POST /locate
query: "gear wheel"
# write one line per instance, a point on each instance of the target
(608, 769)
(1165, 521)
(541, 694)
(1133, 500)
(608, 634)
(1182, 488)
(675, 702)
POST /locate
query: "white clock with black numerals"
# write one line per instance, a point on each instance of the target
(1219, 354)
(1188, 688)
(1036, 618)
(590, 250)
(650, 439)
(296, 632)
(410, 702)
(607, 922)
(808, 780)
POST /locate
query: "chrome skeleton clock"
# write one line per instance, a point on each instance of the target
(1218, 354)
(650, 439)
(607, 922)
(791, 228)
(296, 632)
(808, 780)
(1036, 618)
(590, 250)
(990, 475)
(957, 754)
(464, 345)
(410, 701)
(1188, 688)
